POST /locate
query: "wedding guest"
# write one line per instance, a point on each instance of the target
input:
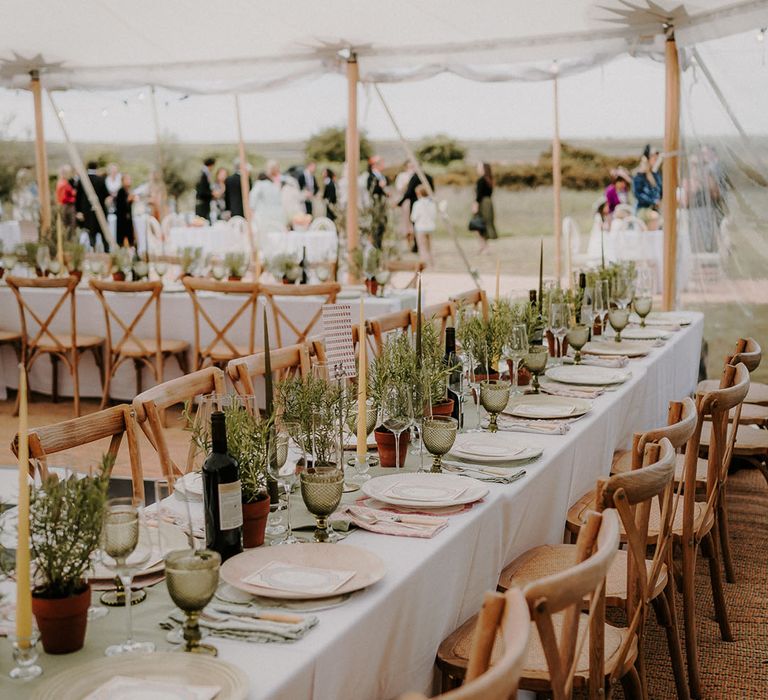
(85, 212)
(65, 200)
(376, 186)
(204, 190)
(404, 205)
(233, 191)
(113, 180)
(124, 199)
(26, 204)
(409, 197)
(483, 204)
(647, 184)
(266, 199)
(330, 196)
(218, 194)
(308, 185)
(424, 217)
(618, 191)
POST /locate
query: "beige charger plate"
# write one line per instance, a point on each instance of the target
(558, 404)
(611, 347)
(190, 669)
(367, 566)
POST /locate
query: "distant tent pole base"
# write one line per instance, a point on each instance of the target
(557, 182)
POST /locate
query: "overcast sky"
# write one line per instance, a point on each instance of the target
(624, 98)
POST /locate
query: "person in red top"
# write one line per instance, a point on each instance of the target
(65, 198)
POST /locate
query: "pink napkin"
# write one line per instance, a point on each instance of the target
(583, 392)
(385, 523)
(542, 427)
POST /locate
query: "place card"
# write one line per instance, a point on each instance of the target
(424, 492)
(295, 578)
(337, 332)
(129, 687)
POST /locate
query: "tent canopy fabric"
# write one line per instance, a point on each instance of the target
(249, 45)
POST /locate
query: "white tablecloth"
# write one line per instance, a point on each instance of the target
(10, 235)
(177, 316)
(383, 641)
(220, 238)
(321, 245)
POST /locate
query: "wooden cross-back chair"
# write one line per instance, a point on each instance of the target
(476, 298)
(290, 361)
(387, 323)
(748, 352)
(38, 339)
(114, 422)
(568, 649)
(273, 292)
(150, 404)
(503, 616)
(413, 266)
(441, 315)
(125, 345)
(221, 349)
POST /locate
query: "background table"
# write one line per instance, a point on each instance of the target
(383, 640)
(10, 235)
(178, 324)
(321, 246)
(220, 238)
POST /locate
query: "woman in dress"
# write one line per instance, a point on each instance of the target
(124, 213)
(483, 204)
(647, 187)
(219, 191)
(266, 200)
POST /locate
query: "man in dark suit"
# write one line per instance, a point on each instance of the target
(233, 193)
(308, 185)
(86, 214)
(203, 191)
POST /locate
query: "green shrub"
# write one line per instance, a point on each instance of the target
(328, 145)
(440, 149)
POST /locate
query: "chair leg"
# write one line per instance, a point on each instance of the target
(630, 682)
(725, 540)
(689, 618)
(721, 612)
(54, 379)
(138, 366)
(665, 615)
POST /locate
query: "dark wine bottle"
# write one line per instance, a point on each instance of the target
(222, 496)
(304, 267)
(454, 378)
(537, 333)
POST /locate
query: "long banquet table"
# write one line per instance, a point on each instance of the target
(383, 640)
(178, 324)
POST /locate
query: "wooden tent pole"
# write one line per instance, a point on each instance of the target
(669, 172)
(352, 157)
(245, 192)
(41, 158)
(557, 182)
(160, 156)
(82, 173)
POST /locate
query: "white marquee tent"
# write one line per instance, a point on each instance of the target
(248, 45)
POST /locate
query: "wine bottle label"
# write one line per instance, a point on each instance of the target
(230, 506)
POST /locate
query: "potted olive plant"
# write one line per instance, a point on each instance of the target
(484, 339)
(65, 526)
(236, 265)
(285, 267)
(434, 371)
(74, 256)
(394, 367)
(191, 259)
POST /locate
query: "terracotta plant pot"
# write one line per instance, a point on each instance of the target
(234, 278)
(385, 442)
(118, 277)
(444, 408)
(255, 522)
(523, 375)
(287, 281)
(62, 621)
(40, 273)
(77, 274)
(372, 286)
(481, 375)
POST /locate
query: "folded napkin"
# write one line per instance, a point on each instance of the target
(540, 427)
(404, 510)
(482, 473)
(387, 523)
(567, 390)
(600, 360)
(126, 686)
(239, 625)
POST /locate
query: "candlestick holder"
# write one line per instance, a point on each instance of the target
(25, 655)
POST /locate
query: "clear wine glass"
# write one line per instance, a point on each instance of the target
(120, 539)
(600, 301)
(284, 472)
(623, 289)
(515, 350)
(397, 413)
(558, 324)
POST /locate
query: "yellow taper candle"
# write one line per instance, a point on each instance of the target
(362, 390)
(60, 244)
(23, 587)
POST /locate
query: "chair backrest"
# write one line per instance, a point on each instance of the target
(475, 298)
(714, 406)
(126, 327)
(150, 404)
(381, 325)
(439, 314)
(220, 325)
(289, 361)
(565, 592)
(681, 423)
(503, 617)
(747, 351)
(412, 266)
(35, 326)
(273, 292)
(111, 423)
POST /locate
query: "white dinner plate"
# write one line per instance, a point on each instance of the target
(646, 333)
(492, 448)
(547, 407)
(368, 568)
(587, 375)
(611, 347)
(664, 318)
(436, 487)
(79, 680)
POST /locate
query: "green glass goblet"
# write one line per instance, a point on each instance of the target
(577, 336)
(536, 362)
(322, 491)
(439, 434)
(643, 305)
(192, 577)
(494, 397)
(619, 319)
